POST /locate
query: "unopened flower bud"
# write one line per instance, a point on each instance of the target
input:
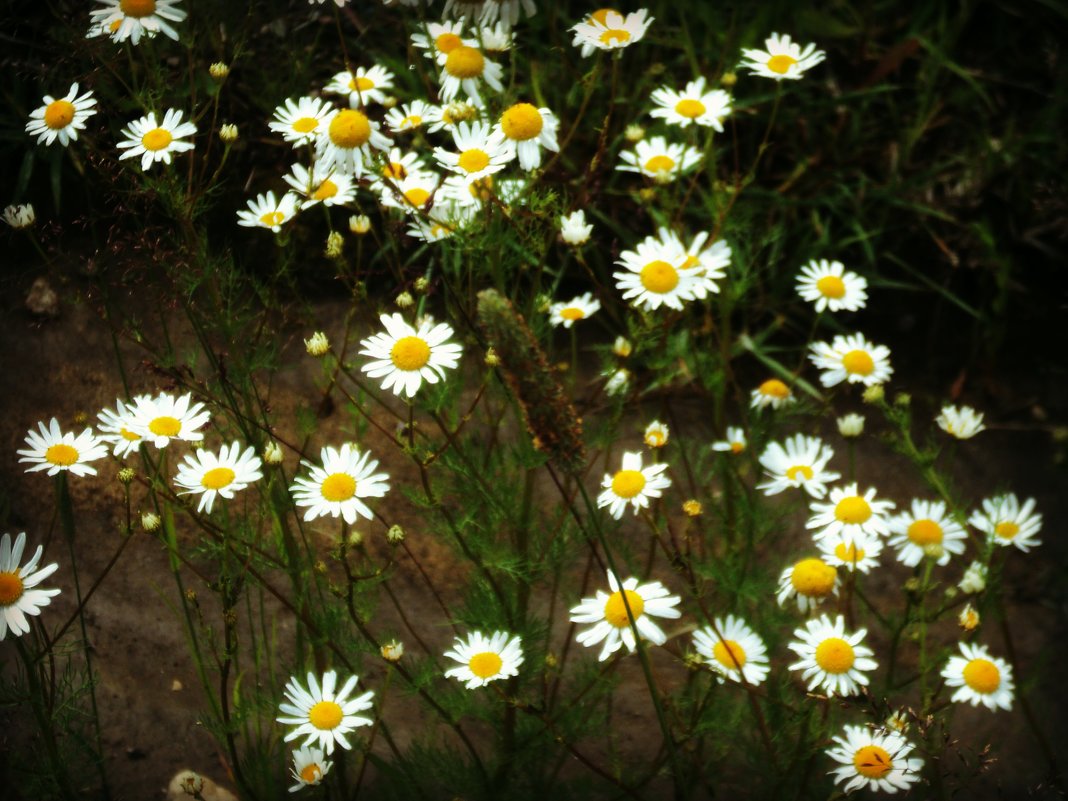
(126, 475)
(359, 224)
(228, 133)
(968, 618)
(404, 300)
(934, 550)
(421, 284)
(19, 216)
(355, 538)
(492, 359)
(622, 347)
(634, 133)
(272, 453)
(728, 80)
(874, 394)
(219, 70)
(150, 521)
(902, 399)
(392, 651)
(851, 425)
(318, 345)
(395, 534)
(692, 508)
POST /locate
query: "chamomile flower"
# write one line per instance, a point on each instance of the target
(478, 152)
(608, 613)
(567, 314)
(962, 422)
(210, 475)
(164, 418)
(810, 581)
(20, 215)
(773, 393)
(465, 68)
(363, 87)
(336, 486)
(156, 142)
(632, 484)
(656, 435)
(607, 29)
(659, 159)
(497, 38)
(309, 767)
(980, 678)
(782, 58)
(831, 659)
(484, 659)
(1006, 522)
(443, 220)
(974, 578)
(654, 276)
(61, 119)
(831, 287)
(926, 525)
(407, 356)
(322, 714)
(408, 116)
(137, 18)
(410, 194)
(438, 39)
(447, 116)
(851, 425)
(117, 427)
(52, 450)
(267, 211)
(861, 554)
(488, 12)
(525, 130)
(692, 105)
(801, 462)
(733, 650)
(300, 122)
(708, 263)
(19, 593)
(851, 358)
(317, 185)
(345, 141)
(573, 228)
(734, 442)
(850, 515)
(874, 759)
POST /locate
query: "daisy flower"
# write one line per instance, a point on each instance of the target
(301, 121)
(773, 393)
(19, 216)
(850, 425)
(961, 422)
(607, 29)
(831, 659)
(448, 116)
(397, 165)
(574, 229)
(974, 578)
(19, 594)
(478, 152)
(363, 87)
(309, 767)
(850, 515)
(411, 193)
(782, 59)
(484, 659)
(407, 356)
(496, 38)
(692, 105)
(654, 276)
(117, 427)
(656, 434)
(266, 211)
(319, 186)
(926, 529)
(408, 116)
(632, 484)
(608, 613)
(567, 314)
(438, 39)
(660, 160)
(525, 130)
(980, 678)
(851, 358)
(801, 462)
(809, 581)
(52, 450)
(163, 418)
(488, 12)
(464, 68)
(862, 554)
(156, 142)
(61, 119)
(443, 221)
(878, 760)
(345, 142)
(336, 487)
(211, 475)
(708, 263)
(137, 18)
(322, 714)
(734, 442)
(830, 287)
(1005, 522)
(733, 650)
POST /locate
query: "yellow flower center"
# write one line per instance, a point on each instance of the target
(272, 218)
(813, 577)
(572, 313)
(659, 277)
(737, 447)
(59, 114)
(305, 125)
(858, 362)
(417, 196)
(325, 715)
(849, 554)
(628, 483)
(485, 664)
(410, 353)
(11, 588)
(601, 15)
(982, 675)
(616, 613)
(482, 188)
(395, 170)
(61, 454)
(361, 84)
(831, 286)
(464, 62)
(660, 163)
(350, 129)
(655, 439)
(1006, 529)
(615, 35)
(128, 435)
(802, 470)
(852, 510)
(774, 388)
(474, 160)
(690, 108)
(781, 64)
(729, 654)
(835, 655)
(137, 8)
(872, 762)
(522, 121)
(447, 42)
(217, 478)
(311, 773)
(115, 25)
(412, 121)
(338, 487)
(165, 426)
(156, 139)
(925, 532)
(327, 189)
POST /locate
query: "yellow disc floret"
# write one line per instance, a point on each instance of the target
(305, 124)
(325, 715)
(620, 35)
(628, 483)
(982, 675)
(835, 655)
(327, 189)
(774, 388)
(410, 353)
(572, 313)
(813, 577)
(690, 108)
(781, 63)
(729, 654)
(485, 664)
(872, 762)
(858, 362)
(1006, 529)
(852, 510)
(802, 470)
(217, 478)
(338, 487)
(59, 114)
(521, 122)
(165, 426)
(311, 773)
(616, 613)
(11, 588)
(61, 454)
(660, 163)
(831, 286)
(465, 62)
(447, 42)
(272, 218)
(925, 532)
(137, 8)
(659, 277)
(473, 160)
(417, 196)
(350, 129)
(156, 139)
